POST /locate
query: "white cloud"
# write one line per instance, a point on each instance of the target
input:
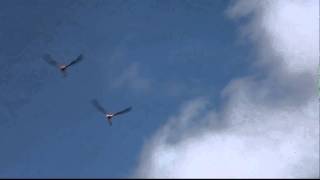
(131, 78)
(290, 28)
(269, 127)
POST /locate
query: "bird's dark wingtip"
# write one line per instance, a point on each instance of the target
(94, 101)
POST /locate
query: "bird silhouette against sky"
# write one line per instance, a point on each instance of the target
(62, 67)
(109, 115)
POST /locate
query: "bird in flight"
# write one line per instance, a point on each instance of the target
(62, 67)
(109, 115)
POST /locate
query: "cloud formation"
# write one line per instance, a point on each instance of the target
(132, 78)
(269, 124)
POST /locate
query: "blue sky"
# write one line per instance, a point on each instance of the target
(152, 55)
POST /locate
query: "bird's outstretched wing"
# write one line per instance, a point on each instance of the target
(79, 58)
(123, 111)
(49, 60)
(98, 106)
